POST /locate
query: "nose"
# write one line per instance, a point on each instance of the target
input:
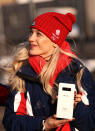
(32, 37)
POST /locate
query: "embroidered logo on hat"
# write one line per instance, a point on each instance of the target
(58, 32)
(55, 35)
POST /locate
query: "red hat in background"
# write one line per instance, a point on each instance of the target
(54, 25)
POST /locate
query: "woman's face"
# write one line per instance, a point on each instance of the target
(40, 44)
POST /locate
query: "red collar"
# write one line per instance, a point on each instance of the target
(38, 62)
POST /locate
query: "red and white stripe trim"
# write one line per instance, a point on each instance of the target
(22, 106)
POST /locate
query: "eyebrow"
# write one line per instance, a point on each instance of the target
(36, 30)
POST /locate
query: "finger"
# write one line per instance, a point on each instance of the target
(61, 125)
(56, 97)
(78, 95)
(72, 119)
(75, 103)
(69, 120)
(77, 99)
(63, 122)
(75, 92)
(54, 116)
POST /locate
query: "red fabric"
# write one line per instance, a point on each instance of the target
(38, 62)
(54, 25)
(63, 62)
(22, 106)
(3, 94)
(66, 127)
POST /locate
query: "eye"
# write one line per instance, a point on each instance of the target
(30, 33)
(39, 33)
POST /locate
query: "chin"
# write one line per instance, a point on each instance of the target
(33, 53)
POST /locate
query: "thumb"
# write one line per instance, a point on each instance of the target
(54, 116)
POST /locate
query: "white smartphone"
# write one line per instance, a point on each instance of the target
(65, 102)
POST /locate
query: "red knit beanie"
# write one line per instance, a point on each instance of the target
(54, 25)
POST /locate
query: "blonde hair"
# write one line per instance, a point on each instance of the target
(11, 68)
(15, 81)
(21, 55)
(49, 68)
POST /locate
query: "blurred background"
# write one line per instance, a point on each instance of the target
(17, 15)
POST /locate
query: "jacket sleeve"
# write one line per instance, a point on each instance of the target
(17, 116)
(85, 114)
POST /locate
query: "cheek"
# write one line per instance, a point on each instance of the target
(45, 45)
(45, 48)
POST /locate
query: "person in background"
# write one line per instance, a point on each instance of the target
(34, 76)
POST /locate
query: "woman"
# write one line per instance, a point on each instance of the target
(35, 76)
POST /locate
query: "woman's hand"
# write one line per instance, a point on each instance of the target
(77, 98)
(52, 122)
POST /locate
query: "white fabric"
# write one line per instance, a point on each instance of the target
(84, 97)
(76, 129)
(17, 101)
(29, 106)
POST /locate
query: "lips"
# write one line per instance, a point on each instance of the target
(33, 46)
